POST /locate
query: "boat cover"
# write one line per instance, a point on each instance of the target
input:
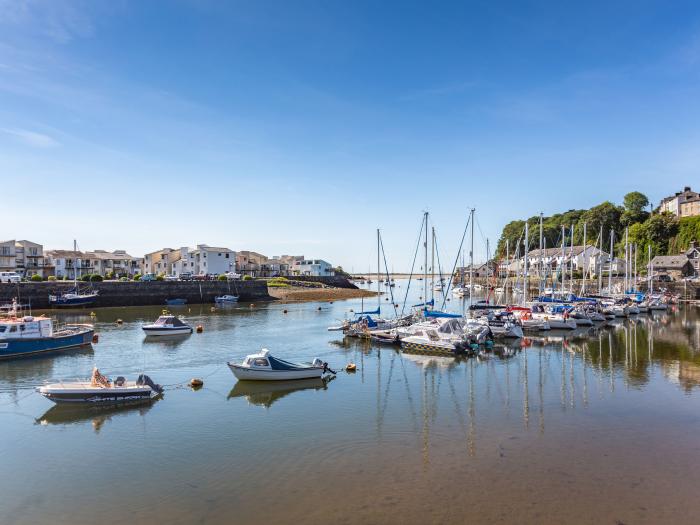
(280, 364)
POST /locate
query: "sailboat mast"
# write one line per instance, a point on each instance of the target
(75, 263)
(585, 262)
(379, 297)
(599, 266)
(526, 281)
(571, 258)
(627, 259)
(563, 264)
(471, 257)
(540, 268)
(612, 241)
(425, 262)
(650, 277)
(432, 266)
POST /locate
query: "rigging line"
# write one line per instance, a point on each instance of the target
(459, 250)
(388, 278)
(437, 252)
(415, 255)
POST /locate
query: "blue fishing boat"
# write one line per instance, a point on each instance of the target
(28, 336)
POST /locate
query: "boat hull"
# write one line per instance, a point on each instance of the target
(244, 373)
(17, 348)
(73, 302)
(161, 331)
(98, 395)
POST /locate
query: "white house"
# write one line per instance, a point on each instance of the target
(69, 264)
(578, 258)
(202, 260)
(118, 262)
(24, 257)
(313, 267)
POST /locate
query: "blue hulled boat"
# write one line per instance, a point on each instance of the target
(72, 299)
(29, 336)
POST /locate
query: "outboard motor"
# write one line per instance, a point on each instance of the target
(143, 379)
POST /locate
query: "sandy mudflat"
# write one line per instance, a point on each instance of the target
(293, 293)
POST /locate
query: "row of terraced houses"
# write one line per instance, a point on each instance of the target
(29, 258)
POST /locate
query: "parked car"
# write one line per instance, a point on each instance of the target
(664, 278)
(10, 277)
(170, 278)
(148, 277)
(186, 276)
(232, 275)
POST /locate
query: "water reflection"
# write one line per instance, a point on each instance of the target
(265, 393)
(96, 415)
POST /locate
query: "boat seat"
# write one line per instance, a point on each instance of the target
(119, 381)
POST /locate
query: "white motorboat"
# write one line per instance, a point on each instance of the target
(167, 325)
(226, 299)
(264, 367)
(101, 390)
(503, 324)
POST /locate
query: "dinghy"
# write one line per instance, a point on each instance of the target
(264, 367)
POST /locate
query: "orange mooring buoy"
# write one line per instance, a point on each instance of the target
(200, 329)
(95, 338)
(196, 383)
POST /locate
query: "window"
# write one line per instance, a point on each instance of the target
(2, 329)
(260, 361)
(227, 255)
(219, 255)
(13, 329)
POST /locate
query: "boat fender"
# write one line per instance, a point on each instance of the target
(213, 309)
(252, 305)
(196, 383)
(351, 367)
(95, 338)
(200, 329)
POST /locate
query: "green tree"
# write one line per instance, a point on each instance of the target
(634, 212)
(605, 216)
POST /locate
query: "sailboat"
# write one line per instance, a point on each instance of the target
(73, 297)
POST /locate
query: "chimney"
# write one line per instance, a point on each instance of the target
(687, 188)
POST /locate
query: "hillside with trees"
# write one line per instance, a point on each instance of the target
(666, 234)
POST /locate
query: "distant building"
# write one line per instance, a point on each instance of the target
(118, 262)
(675, 266)
(161, 261)
(684, 203)
(202, 260)
(250, 263)
(24, 257)
(69, 264)
(693, 254)
(313, 267)
(587, 259)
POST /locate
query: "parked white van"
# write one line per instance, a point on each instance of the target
(10, 277)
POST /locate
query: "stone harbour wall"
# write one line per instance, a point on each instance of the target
(136, 293)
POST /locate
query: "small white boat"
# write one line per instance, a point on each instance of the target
(101, 390)
(167, 325)
(264, 367)
(226, 299)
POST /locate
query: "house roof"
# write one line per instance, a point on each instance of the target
(670, 261)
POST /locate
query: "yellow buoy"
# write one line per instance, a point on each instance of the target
(93, 314)
(351, 367)
(195, 382)
(213, 309)
(200, 329)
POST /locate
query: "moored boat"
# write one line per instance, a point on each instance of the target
(226, 299)
(100, 389)
(29, 336)
(167, 324)
(265, 367)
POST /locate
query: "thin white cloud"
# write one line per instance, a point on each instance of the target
(60, 21)
(31, 138)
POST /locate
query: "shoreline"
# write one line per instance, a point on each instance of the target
(300, 294)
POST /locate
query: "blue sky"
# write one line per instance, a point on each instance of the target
(300, 127)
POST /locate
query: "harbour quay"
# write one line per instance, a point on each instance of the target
(137, 293)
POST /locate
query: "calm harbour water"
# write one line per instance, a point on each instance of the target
(596, 426)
